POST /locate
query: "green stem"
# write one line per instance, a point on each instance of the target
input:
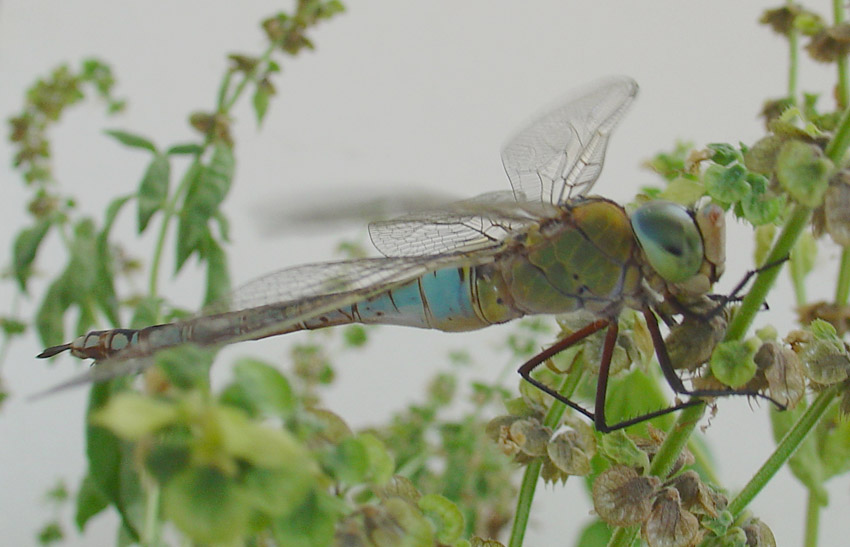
(812, 520)
(152, 532)
(240, 87)
(842, 288)
(532, 470)
(663, 462)
(754, 299)
(838, 18)
(793, 54)
(784, 450)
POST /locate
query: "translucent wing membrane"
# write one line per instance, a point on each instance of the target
(465, 226)
(334, 283)
(560, 156)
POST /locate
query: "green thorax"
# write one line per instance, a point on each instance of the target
(584, 259)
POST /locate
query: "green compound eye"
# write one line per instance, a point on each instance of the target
(669, 238)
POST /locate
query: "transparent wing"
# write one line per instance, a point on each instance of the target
(560, 156)
(466, 226)
(334, 284)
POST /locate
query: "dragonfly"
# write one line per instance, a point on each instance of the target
(545, 247)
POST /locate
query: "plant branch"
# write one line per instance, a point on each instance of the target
(784, 450)
(754, 299)
(532, 470)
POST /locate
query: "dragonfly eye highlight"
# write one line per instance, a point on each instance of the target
(670, 239)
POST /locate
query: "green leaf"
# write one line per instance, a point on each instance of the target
(167, 459)
(265, 387)
(25, 249)
(146, 313)
(446, 516)
(133, 416)
(110, 461)
(260, 101)
(49, 320)
(726, 184)
(218, 277)
(189, 149)
(208, 187)
(350, 461)
(634, 394)
(381, 464)
(206, 506)
(90, 501)
(153, 190)
(732, 362)
(595, 534)
(186, 366)
(312, 523)
(277, 492)
(803, 172)
(620, 448)
(258, 444)
(131, 140)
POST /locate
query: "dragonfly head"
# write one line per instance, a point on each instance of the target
(684, 249)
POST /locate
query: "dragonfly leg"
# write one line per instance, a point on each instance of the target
(526, 369)
(676, 383)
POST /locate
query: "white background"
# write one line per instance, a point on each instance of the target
(398, 96)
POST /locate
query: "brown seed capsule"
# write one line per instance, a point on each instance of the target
(697, 497)
(621, 497)
(668, 524)
(836, 208)
(836, 315)
(569, 452)
(783, 372)
(758, 534)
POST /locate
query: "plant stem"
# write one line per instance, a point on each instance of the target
(152, 532)
(664, 460)
(224, 105)
(792, 61)
(764, 280)
(784, 450)
(532, 470)
(842, 288)
(812, 520)
(838, 18)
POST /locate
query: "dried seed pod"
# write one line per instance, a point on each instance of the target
(399, 487)
(825, 362)
(570, 454)
(690, 343)
(836, 315)
(836, 208)
(758, 534)
(697, 497)
(783, 372)
(669, 525)
(621, 497)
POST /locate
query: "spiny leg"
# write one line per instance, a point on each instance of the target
(598, 415)
(676, 383)
(526, 369)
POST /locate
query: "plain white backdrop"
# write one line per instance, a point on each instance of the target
(398, 96)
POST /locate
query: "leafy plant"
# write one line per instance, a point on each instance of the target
(262, 462)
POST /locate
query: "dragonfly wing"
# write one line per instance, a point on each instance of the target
(467, 226)
(560, 156)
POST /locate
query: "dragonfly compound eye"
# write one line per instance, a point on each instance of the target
(670, 239)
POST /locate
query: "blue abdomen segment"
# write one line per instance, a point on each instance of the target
(441, 300)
